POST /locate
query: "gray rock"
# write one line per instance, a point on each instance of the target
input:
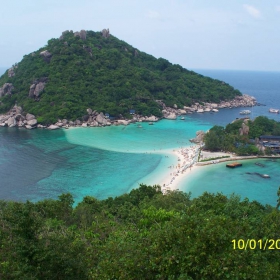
(105, 33)
(19, 117)
(28, 126)
(31, 90)
(244, 130)
(53, 127)
(29, 117)
(171, 116)
(89, 111)
(39, 88)
(101, 119)
(18, 109)
(46, 55)
(11, 72)
(199, 137)
(83, 34)
(11, 122)
(32, 122)
(60, 124)
(6, 89)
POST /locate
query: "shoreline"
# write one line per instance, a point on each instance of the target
(16, 117)
(184, 164)
(192, 166)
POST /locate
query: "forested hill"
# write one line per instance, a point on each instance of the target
(96, 70)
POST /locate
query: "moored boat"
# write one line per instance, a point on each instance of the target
(271, 110)
(234, 164)
(245, 112)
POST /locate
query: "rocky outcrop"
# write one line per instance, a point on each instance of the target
(46, 55)
(37, 87)
(101, 119)
(29, 117)
(82, 34)
(15, 117)
(63, 34)
(32, 122)
(150, 119)
(6, 89)
(199, 137)
(171, 116)
(244, 130)
(11, 122)
(11, 71)
(105, 33)
(239, 101)
(53, 127)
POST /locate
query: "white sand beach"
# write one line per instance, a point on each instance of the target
(185, 165)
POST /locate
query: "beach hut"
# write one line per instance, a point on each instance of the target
(132, 111)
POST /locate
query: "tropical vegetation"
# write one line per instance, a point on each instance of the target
(229, 139)
(140, 235)
(105, 74)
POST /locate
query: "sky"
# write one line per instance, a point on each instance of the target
(197, 34)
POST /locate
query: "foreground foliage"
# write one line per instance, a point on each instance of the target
(105, 74)
(140, 235)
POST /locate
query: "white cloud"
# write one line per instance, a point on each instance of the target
(254, 12)
(277, 8)
(153, 15)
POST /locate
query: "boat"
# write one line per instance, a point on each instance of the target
(265, 176)
(259, 164)
(271, 110)
(151, 123)
(245, 112)
(234, 164)
(139, 126)
(182, 118)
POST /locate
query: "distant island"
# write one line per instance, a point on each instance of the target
(93, 78)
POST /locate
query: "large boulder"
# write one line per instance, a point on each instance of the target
(11, 72)
(151, 119)
(29, 117)
(89, 111)
(39, 88)
(53, 127)
(105, 33)
(36, 88)
(101, 119)
(199, 137)
(32, 122)
(171, 116)
(6, 89)
(46, 55)
(11, 122)
(244, 130)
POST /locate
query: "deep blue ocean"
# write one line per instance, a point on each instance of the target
(110, 161)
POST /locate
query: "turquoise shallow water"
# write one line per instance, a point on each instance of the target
(219, 178)
(110, 161)
(100, 162)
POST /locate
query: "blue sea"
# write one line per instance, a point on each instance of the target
(110, 161)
